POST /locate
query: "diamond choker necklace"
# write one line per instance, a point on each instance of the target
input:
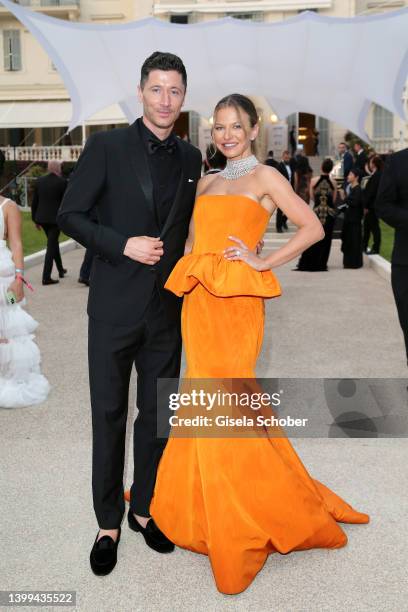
(239, 167)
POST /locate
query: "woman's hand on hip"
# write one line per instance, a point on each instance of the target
(242, 252)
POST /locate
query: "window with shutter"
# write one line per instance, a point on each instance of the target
(383, 122)
(12, 50)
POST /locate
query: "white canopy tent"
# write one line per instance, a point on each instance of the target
(52, 113)
(327, 66)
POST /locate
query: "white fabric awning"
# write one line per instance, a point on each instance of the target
(331, 67)
(55, 113)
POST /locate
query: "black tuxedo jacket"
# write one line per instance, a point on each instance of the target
(348, 163)
(371, 189)
(112, 174)
(48, 193)
(271, 162)
(392, 202)
(354, 212)
(282, 170)
(360, 161)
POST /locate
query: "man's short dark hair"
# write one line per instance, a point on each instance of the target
(162, 61)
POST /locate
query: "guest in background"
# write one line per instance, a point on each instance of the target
(21, 381)
(303, 175)
(86, 267)
(360, 158)
(371, 224)
(2, 162)
(392, 206)
(47, 197)
(323, 192)
(347, 161)
(293, 141)
(316, 142)
(351, 235)
(271, 161)
(286, 167)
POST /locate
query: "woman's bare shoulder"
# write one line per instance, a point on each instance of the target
(8, 204)
(205, 181)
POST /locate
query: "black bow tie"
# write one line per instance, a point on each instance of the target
(167, 145)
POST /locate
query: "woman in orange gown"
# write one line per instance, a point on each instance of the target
(238, 499)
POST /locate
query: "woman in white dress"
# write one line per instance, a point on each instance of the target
(21, 382)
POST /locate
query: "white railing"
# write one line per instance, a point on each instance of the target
(383, 145)
(39, 153)
(237, 6)
(42, 3)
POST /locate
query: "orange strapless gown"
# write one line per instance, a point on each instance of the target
(235, 499)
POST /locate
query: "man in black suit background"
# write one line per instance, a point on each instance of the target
(142, 179)
(347, 161)
(360, 160)
(271, 161)
(286, 167)
(48, 193)
(293, 140)
(2, 162)
(392, 206)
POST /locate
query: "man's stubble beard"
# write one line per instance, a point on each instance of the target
(165, 126)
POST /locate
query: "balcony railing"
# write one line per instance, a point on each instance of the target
(383, 145)
(46, 3)
(42, 154)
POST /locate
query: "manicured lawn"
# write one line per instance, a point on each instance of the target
(387, 240)
(34, 240)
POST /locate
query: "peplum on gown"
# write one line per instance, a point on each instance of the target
(235, 499)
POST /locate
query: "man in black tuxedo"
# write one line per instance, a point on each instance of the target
(143, 181)
(2, 162)
(392, 206)
(48, 193)
(347, 161)
(286, 167)
(360, 158)
(293, 140)
(271, 161)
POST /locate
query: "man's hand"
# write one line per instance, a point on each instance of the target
(17, 287)
(144, 249)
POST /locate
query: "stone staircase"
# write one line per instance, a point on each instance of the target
(316, 163)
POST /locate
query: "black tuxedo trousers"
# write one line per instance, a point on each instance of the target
(153, 346)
